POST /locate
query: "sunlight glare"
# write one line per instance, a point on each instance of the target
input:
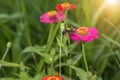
(111, 2)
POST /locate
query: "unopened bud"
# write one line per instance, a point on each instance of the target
(62, 27)
(51, 59)
(9, 44)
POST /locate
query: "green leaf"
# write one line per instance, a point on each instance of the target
(38, 51)
(97, 14)
(10, 64)
(8, 79)
(111, 40)
(83, 75)
(39, 76)
(117, 76)
(16, 15)
(59, 42)
(76, 58)
(65, 46)
(4, 16)
(24, 76)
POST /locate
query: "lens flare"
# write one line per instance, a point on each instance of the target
(111, 2)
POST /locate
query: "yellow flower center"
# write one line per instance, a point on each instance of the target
(52, 13)
(82, 31)
(65, 5)
(53, 78)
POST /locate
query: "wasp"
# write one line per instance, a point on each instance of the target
(67, 30)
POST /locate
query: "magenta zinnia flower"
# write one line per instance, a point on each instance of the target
(52, 17)
(84, 34)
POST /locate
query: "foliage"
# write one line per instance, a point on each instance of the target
(32, 52)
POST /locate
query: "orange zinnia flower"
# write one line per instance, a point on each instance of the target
(55, 77)
(65, 6)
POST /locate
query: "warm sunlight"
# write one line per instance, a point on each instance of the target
(111, 2)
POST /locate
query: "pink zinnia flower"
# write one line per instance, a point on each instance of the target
(65, 6)
(52, 78)
(84, 34)
(52, 17)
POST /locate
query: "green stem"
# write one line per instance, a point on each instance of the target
(70, 70)
(65, 21)
(40, 66)
(49, 43)
(6, 51)
(50, 33)
(27, 33)
(97, 14)
(114, 56)
(86, 9)
(83, 52)
(60, 61)
(27, 30)
(52, 67)
(112, 25)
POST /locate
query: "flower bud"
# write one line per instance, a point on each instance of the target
(62, 26)
(9, 44)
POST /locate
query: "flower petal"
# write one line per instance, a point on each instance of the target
(45, 18)
(92, 34)
(45, 78)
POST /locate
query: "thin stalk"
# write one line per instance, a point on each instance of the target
(23, 8)
(70, 69)
(50, 33)
(97, 14)
(40, 66)
(6, 51)
(114, 56)
(83, 52)
(52, 38)
(60, 51)
(111, 40)
(112, 25)
(65, 22)
(34, 58)
(52, 67)
(86, 9)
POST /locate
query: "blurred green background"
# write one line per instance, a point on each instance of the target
(20, 24)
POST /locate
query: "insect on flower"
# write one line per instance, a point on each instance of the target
(67, 30)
